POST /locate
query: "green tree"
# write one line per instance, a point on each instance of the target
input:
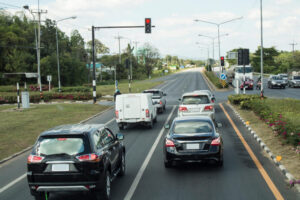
(269, 60)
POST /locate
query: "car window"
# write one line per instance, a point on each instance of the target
(187, 127)
(108, 137)
(59, 145)
(297, 77)
(196, 99)
(97, 139)
(155, 94)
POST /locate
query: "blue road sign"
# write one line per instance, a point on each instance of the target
(223, 76)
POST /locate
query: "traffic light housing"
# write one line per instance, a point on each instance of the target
(222, 61)
(127, 63)
(243, 57)
(147, 25)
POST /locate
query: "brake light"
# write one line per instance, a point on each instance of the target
(160, 102)
(208, 108)
(88, 157)
(147, 113)
(169, 143)
(61, 139)
(182, 109)
(117, 114)
(216, 142)
(35, 159)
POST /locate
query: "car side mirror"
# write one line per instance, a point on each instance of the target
(165, 94)
(120, 136)
(167, 126)
(179, 99)
(219, 125)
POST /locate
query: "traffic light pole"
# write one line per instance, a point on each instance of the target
(93, 51)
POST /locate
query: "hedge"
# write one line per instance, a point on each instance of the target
(280, 125)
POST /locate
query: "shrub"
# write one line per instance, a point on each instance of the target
(74, 89)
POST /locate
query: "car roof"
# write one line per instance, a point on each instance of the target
(205, 91)
(194, 118)
(152, 90)
(69, 129)
(198, 92)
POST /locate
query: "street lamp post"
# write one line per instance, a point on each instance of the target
(213, 41)
(261, 51)
(57, 51)
(218, 26)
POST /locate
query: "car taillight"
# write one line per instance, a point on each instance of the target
(35, 159)
(182, 109)
(88, 157)
(216, 142)
(160, 102)
(147, 113)
(208, 108)
(169, 143)
(213, 101)
(117, 114)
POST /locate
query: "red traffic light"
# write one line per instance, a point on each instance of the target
(222, 58)
(148, 21)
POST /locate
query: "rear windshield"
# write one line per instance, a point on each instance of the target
(276, 78)
(197, 99)
(156, 94)
(187, 127)
(60, 146)
(297, 77)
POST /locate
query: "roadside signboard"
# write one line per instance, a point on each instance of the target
(223, 76)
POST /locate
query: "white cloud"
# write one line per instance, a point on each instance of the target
(283, 2)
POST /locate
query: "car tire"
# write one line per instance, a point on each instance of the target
(41, 196)
(122, 165)
(220, 162)
(104, 193)
(164, 107)
(121, 126)
(168, 164)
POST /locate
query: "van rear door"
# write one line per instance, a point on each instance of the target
(132, 106)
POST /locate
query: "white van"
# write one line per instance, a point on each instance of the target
(135, 108)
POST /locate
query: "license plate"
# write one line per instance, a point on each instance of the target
(192, 146)
(60, 167)
(194, 110)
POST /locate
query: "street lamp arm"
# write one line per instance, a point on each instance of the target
(200, 20)
(73, 17)
(230, 20)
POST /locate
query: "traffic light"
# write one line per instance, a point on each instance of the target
(240, 57)
(222, 61)
(147, 25)
(243, 57)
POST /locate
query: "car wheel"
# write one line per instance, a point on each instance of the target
(155, 119)
(121, 126)
(164, 107)
(105, 190)
(220, 162)
(168, 164)
(41, 196)
(283, 87)
(122, 165)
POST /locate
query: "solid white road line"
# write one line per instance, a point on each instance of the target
(12, 183)
(24, 175)
(146, 161)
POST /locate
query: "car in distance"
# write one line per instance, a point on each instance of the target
(284, 78)
(248, 84)
(276, 81)
(83, 158)
(158, 98)
(192, 139)
(294, 81)
(197, 103)
(210, 94)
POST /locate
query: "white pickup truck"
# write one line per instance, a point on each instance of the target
(135, 108)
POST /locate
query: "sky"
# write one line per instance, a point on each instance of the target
(176, 33)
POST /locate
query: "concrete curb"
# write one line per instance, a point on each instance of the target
(282, 168)
(30, 147)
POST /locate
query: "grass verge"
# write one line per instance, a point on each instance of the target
(19, 129)
(290, 159)
(215, 80)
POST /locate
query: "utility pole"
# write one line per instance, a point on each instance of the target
(119, 38)
(293, 47)
(261, 52)
(136, 50)
(39, 12)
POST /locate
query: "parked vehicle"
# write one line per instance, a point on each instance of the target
(83, 158)
(284, 78)
(158, 98)
(135, 108)
(248, 84)
(197, 103)
(275, 81)
(294, 81)
(192, 139)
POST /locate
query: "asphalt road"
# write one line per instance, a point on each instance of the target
(146, 177)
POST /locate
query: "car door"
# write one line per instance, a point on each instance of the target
(112, 145)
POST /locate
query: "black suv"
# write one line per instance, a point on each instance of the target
(75, 158)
